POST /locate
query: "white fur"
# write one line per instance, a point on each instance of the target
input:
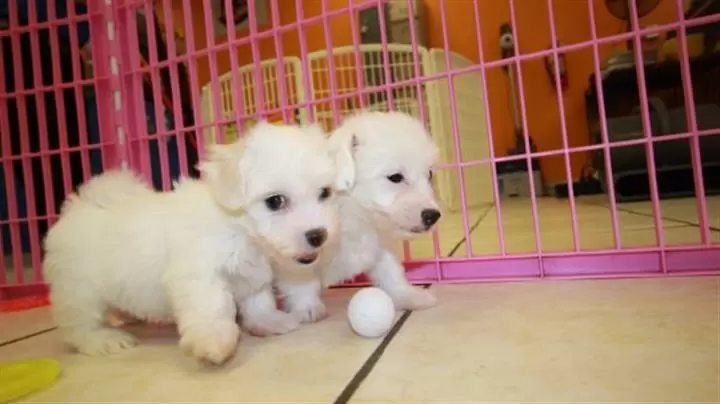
(375, 212)
(197, 255)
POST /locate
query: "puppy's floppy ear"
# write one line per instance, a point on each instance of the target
(343, 145)
(221, 170)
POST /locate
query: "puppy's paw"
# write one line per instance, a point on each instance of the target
(271, 323)
(213, 344)
(415, 299)
(309, 311)
(103, 341)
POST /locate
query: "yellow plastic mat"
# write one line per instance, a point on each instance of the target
(20, 378)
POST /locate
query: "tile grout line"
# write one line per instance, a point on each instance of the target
(354, 384)
(479, 220)
(665, 218)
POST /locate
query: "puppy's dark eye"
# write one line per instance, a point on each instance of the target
(430, 175)
(396, 178)
(276, 202)
(325, 193)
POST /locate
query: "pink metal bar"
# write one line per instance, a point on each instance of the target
(52, 22)
(194, 82)
(548, 153)
(563, 127)
(133, 91)
(487, 65)
(330, 63)
(682, 261)
(214, 83)
(360, 68)
(609, 183)
(26, 166)
(3, 267)
(616, 144)
(528, 161)
(388, 78)
(106, 81)
(417, 280)
(238, 89)
(10, 188)
(59, 98)
(489, 131)
(280, 67)
(302, 22)
(306, 68)
(456, 134)
(55, 152)
(177, 107)
(41, 88)
(255, 50)
(43, 134)
(77, 88)
(104, 42)
(131, 94)
(692, 127)
(647, 130)
(420, 91)
(157, 96)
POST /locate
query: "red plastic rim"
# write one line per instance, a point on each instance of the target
(24, 303)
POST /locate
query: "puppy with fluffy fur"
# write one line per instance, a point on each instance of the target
(385, 165)
(198, 255)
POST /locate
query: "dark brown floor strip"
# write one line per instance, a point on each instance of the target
(459, 244)
(372, 360)
(24, 337)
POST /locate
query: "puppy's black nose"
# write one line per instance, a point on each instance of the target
(316, 237)
(429, 217)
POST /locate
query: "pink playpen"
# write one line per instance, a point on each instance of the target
(609, 169)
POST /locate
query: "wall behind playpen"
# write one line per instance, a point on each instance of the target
(142, 105)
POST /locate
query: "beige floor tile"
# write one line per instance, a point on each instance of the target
(555, 223)
(684, 209)
(650, 340)
(562, 240)
(19, 324)
(312, 364)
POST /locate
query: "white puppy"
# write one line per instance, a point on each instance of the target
(385, 164)
(198, 254)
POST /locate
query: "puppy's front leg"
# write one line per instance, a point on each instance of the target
(389, 275)
(204, 311)
(302, 299)
(260, 316)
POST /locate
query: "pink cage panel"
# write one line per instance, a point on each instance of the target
(88, 85)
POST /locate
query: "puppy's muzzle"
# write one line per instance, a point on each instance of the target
(430, 217)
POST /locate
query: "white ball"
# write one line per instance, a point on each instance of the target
(371, 312)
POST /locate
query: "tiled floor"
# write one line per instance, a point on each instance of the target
(558, 342)
(650, 340)
(636, 226)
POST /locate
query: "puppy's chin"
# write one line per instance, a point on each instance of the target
(416, 231)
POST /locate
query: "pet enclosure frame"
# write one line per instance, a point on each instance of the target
(124, 135)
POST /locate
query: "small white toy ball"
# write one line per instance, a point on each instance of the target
(371, 312)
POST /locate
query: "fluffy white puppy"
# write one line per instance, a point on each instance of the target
(385, 165)
(197, 255)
